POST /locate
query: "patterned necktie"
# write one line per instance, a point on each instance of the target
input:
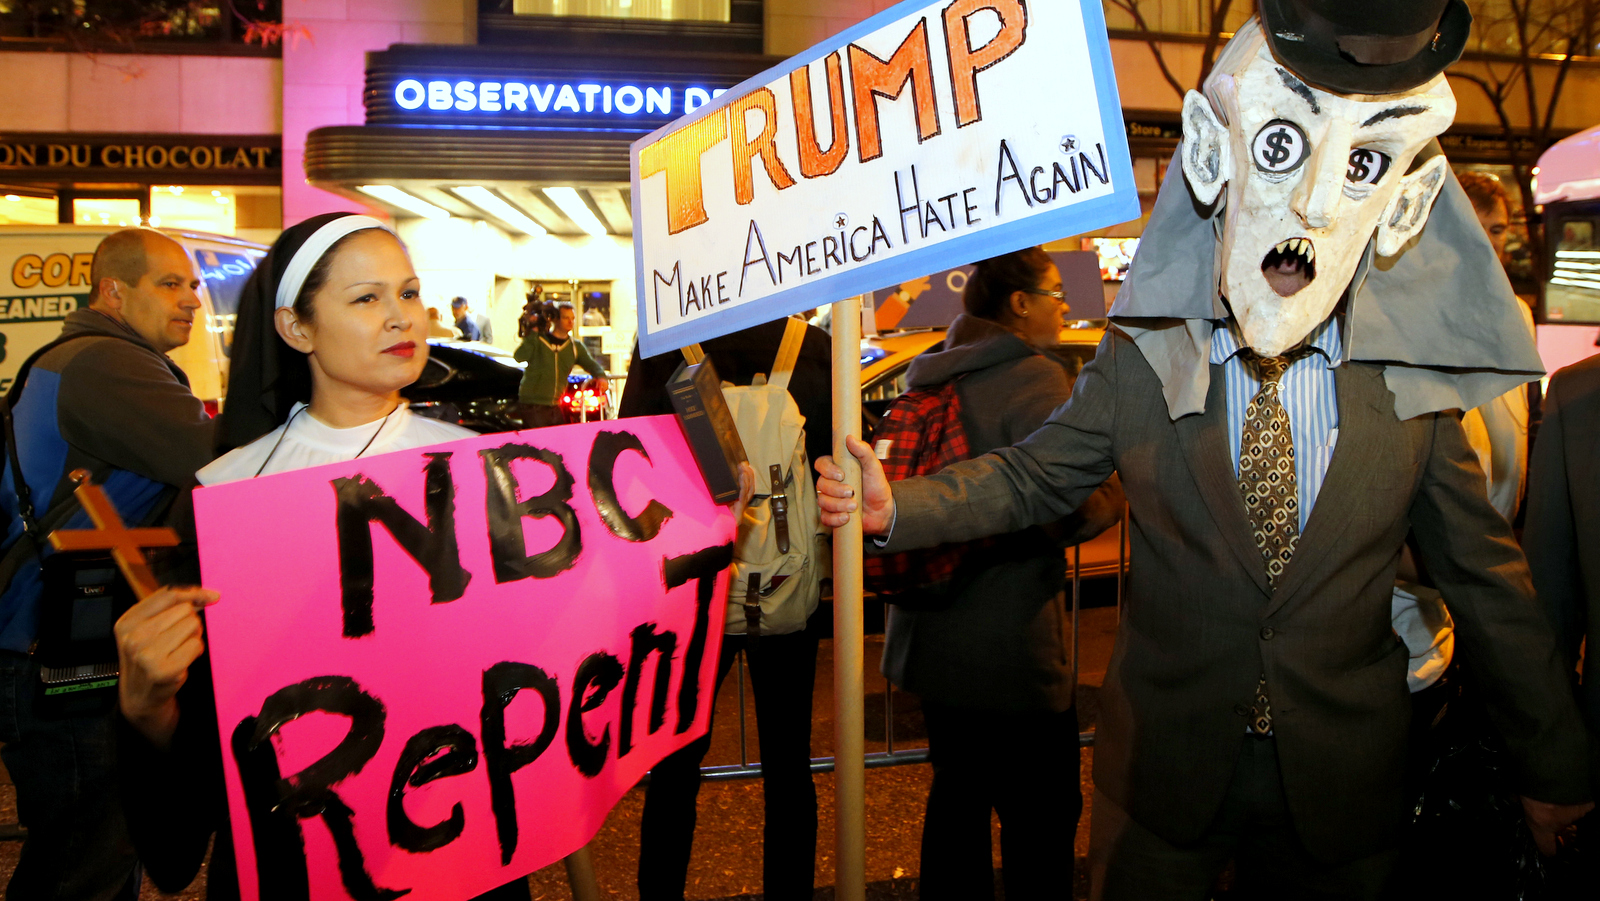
(1271, 492)
(1266, 465)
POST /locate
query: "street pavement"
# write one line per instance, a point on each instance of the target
(726, 864)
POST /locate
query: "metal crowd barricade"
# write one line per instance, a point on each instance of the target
(892, 756)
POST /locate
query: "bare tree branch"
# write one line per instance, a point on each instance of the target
(1219, 18)
(1577, 39)
(1217, 10)
(1131, 7)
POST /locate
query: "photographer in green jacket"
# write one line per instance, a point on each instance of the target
(550, 352)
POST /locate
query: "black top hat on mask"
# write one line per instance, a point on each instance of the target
(1366, 46)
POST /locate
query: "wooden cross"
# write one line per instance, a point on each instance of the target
(109, 534)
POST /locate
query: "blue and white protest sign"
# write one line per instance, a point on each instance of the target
(931, 135)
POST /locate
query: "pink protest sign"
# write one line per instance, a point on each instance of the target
(437, 669)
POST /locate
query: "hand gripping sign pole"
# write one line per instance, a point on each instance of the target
(849, 766)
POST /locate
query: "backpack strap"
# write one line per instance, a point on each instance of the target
(693, 354)
(794, 335)
(30, 543)
(20, 485)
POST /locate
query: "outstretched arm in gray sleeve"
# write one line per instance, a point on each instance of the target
(1039, 480)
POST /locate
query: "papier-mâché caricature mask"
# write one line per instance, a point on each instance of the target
(1310, 177)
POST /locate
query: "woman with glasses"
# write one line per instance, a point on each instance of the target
(992, 666)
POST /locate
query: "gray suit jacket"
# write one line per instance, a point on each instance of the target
(1201, 624)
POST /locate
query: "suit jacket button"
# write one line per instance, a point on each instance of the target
(1241, 710)
(1267, 633)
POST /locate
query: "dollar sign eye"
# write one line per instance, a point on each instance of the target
(1280, 147)
(1366, 166)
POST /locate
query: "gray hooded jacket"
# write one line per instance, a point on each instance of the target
(1003, 643)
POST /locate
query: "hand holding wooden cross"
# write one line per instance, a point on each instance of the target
(126, 545)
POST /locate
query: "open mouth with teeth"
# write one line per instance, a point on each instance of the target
(1290, 266)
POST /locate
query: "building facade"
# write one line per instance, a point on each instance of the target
(495, 133)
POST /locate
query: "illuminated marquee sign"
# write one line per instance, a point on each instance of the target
(549, 98)
(562, 89)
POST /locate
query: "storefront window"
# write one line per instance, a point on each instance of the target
(122, 212)
(691, 10)
(596, 308)
(236, 210)
(19, 209)
(1498, 26)
(1115, 246)
(1173, 16)
(194, 208)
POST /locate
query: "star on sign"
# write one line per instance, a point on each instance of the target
(841, 220)
(1069, 143)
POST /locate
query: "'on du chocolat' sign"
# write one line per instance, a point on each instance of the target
(166, 158)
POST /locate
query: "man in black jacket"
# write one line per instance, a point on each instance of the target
(105, 398)
(782, 668)
(1562, 538)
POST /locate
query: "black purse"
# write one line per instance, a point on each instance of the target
(1466, 836)
(84, 594)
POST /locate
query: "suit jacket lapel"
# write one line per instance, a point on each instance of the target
(1204, 438)
(1365, 405)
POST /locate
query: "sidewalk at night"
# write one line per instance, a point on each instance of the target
(727, 848)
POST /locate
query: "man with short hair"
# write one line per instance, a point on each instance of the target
(551, 354)
(1493, 206)
(472, 328)
(103, 397)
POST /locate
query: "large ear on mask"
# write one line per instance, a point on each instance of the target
(1407, 211)
(1207, 153)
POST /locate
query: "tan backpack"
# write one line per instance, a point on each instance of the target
(780, 554)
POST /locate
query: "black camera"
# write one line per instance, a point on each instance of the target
(537, 314)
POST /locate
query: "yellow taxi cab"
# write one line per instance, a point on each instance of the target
(885, 360)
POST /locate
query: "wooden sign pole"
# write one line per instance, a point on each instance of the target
(849, 768)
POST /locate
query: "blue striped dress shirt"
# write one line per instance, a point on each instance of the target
(1308, 396)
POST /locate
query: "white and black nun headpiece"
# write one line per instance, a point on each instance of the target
(266, 376)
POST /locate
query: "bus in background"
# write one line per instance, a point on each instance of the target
(1566, 186)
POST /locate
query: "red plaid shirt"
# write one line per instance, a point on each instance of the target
(920, 434)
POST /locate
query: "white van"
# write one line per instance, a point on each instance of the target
(44, 275)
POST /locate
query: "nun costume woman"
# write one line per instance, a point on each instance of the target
(174, 797)
(268, 427)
